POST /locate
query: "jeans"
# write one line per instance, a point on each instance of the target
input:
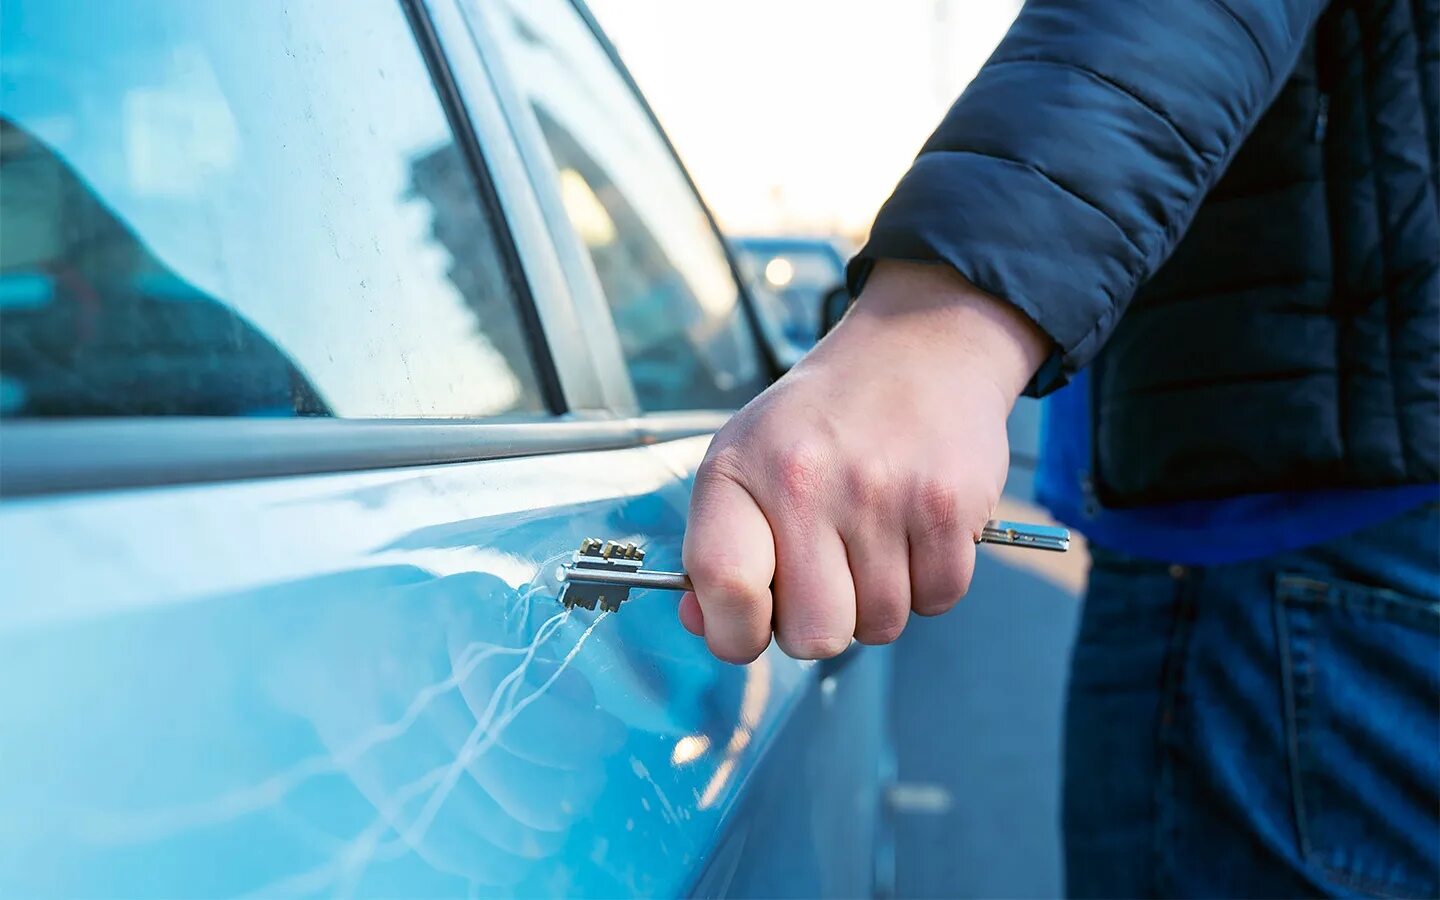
(1260, 729)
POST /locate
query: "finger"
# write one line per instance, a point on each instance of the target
(880, 567)
(691, 616)
(814, 594)
(942, 556)
(730, 557)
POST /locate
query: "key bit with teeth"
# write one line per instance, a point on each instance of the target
(585, 583)
(604, 572)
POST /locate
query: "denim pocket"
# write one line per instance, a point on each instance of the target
(1361, 676)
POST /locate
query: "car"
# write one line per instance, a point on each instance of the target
(800, 272)
(322, 335)
(324, 340)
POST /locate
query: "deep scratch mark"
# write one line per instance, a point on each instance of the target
(483, 738)
(151, 825)
(346, 867)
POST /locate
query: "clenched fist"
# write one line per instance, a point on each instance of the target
(857, 484)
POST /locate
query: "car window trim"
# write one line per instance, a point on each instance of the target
(752, 315)
(529, 168)
(586, 384)
(467, 138)
(44, 457)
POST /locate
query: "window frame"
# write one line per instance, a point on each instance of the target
(588, 406)
(544, 176)
(466, 130)
(768, 358)
(576, 352)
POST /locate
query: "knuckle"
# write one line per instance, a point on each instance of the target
(938, 506)
(800, 472)
(720, 462)
(868, 482)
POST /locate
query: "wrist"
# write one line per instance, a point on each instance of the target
(977, 333)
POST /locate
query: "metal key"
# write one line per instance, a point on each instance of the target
(604, 572)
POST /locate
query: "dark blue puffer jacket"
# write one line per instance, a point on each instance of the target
(1238, 201)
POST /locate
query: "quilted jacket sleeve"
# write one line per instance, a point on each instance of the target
(1065, 174)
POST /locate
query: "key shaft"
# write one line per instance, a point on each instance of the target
(996, 531)
(640, 578)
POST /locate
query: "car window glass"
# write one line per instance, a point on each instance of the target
(252, 208)
(661, 266)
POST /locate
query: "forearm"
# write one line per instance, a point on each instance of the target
(982, 336)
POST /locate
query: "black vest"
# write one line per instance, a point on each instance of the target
(1292, 340)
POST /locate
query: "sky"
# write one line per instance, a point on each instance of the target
(798, 116)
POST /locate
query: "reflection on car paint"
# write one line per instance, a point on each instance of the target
(328, 692)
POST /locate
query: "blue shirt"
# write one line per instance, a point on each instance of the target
(1200, 532)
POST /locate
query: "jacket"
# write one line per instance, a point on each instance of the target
(1230, 209)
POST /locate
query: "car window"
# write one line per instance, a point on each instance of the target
(252, 208)
(662, 267)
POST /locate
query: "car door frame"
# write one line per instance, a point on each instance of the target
(770, 355)
(541, 172)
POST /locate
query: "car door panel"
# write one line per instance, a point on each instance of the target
(339, 683)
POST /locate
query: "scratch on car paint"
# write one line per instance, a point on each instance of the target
(112, 828)
(344, 869)
(486, 733)
(350, 861)
(540, 586)
(524, 604)
(139, 828)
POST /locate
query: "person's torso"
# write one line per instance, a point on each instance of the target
(1196, 532)
(1292, 341)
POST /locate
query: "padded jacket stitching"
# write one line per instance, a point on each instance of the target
(1111, 82)
(1250, 33)
(1052, 180)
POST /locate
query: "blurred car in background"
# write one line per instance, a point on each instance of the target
(798, 272)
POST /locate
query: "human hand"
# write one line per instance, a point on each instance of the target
(859, 482)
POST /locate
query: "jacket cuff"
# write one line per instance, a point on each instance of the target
(1016, 235)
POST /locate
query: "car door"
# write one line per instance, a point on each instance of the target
(302, 388)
